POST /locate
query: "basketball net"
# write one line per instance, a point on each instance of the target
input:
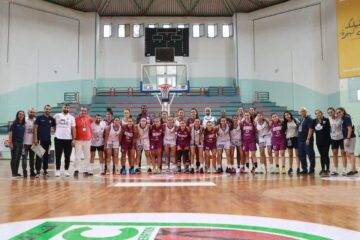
(165, 89)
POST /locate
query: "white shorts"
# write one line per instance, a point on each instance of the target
(223, 145)
(112, 144)
(235, 143)
(169, 143)
(143, 144)
(265, 141)
(351, 147)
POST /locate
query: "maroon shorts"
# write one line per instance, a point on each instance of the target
(248, 146)
(209, 146)
(278, 145)
(156, 146)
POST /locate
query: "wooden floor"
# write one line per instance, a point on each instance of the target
(304, 198)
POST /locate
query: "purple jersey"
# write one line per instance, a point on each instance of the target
(127, 140)
(156, 137)
(248, 132)
(183, 138)
(210, 139)
(277, 132)
(190, 121)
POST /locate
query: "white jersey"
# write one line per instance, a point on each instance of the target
(114, 134)
(336, 128)
(64, 123)
(209, 119)
(235, 136)
(262, 129)
(223, 135)
(177, 122)
(143, 132)
(291, 129)
(124, 121)
(29, 131)
(197, 137)
(170, 135)
(97, 134)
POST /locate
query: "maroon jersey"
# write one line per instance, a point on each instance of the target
(277, 132)
(183, 138)
(210, 139)
(190, 121)
(156, 137)
(248, 132)
(127, 138)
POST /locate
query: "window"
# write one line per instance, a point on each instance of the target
(227, 30)
(123, 30)
(107, 30)
(212, 30)
(166, 25)
(152, 25)
(198, 30)
(138, 30)
(183, 26)
(358, 95)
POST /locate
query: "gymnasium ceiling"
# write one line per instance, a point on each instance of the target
(209, 8)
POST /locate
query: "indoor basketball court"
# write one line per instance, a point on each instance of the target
(179, 119)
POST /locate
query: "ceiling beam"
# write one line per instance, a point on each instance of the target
(256, 3)
(76, 2)
(194, 6)
(184, 8)
(102, 8)
(145, 11)
(94, 6)
(228, 8)
(237, 7)
(138, 6)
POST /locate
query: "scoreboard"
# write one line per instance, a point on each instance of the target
(177, 38)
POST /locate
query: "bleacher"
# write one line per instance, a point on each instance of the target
(217, 98)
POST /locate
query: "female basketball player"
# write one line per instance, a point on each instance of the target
(193, 115)
(108, 120)
(180, 117)
(235, 142)
(128, 137)
(143, 144)
(210, 145)
(197, 143)
(156, 144)
(183, 147)
(337, 141)
(223, 143)
(248, 130)
(112, 137)
(164, 116)
(127, 115)
(264, 134)
(170, 143)
(278, 140)
(291, 129)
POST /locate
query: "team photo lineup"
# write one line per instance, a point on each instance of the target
(188, 144)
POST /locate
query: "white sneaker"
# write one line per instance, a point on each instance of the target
(344, 173)
(57, 173)
(237, 170)
(67, 174)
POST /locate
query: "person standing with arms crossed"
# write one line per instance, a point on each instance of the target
(65, 135)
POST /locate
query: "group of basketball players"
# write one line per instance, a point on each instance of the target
(189, 145)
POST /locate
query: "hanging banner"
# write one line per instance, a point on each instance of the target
(348, 24)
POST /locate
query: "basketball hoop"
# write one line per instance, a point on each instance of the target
(165, 89)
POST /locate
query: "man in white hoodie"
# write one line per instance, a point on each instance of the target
(208, 117)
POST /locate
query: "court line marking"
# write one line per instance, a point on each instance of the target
(164, 184)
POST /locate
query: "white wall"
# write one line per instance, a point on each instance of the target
(209, 58)
(290, 43)
(43, 45)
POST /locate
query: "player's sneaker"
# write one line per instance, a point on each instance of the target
(277, 170)
(192, 170)
(290, 171)
(67, 174)
(283, 170)
(201, 170)
(132, 171)
(123, 171)
(149, 170)
(57, 173)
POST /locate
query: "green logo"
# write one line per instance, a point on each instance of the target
(148, 231)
